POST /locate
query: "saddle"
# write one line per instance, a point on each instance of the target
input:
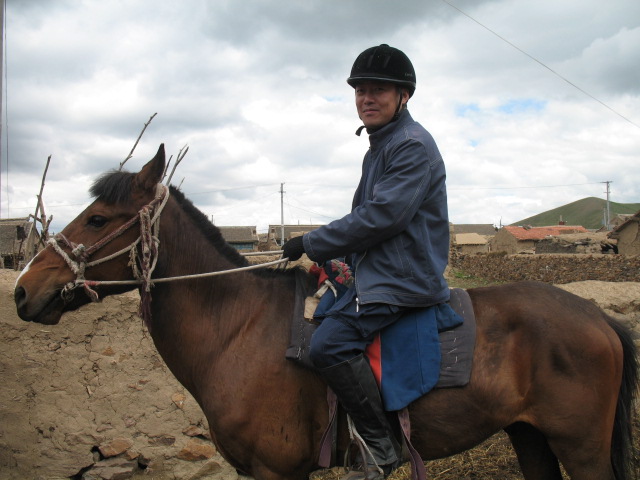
(428, 348)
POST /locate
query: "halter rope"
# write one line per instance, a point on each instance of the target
(149, 238)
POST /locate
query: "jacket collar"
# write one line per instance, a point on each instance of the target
(380, 135)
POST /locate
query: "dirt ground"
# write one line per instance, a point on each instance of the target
(91, 399)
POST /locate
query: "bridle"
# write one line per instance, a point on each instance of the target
(142, 265)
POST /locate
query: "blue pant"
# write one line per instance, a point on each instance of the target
(348, 329)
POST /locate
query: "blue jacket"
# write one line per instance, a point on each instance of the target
(398, 230)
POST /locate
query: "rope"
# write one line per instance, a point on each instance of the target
(152, 245)
(362, 446)
(255, 254)
(82, 254)
(192, 276)
(142, 266)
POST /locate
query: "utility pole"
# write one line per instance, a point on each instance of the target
(1, 109)
(607, 213)
(282, 214)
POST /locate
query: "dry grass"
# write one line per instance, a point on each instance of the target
(492, 459)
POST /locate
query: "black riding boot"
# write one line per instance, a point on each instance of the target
(357, 390)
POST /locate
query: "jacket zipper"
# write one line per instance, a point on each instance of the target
(356, 279)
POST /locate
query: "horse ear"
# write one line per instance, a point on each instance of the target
(151, 173)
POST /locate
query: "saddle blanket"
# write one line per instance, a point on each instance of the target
(427, 348)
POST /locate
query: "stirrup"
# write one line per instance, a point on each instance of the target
(368, 466)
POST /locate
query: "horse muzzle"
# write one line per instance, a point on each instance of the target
(47, 309)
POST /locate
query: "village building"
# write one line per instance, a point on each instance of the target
(619, 219)
(523, 239)
(243, 239)
(19, 241)
(290, 231)
(470, 243)
(590, 242)
(627, 236)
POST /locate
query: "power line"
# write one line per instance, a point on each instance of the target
(542, 64)
(520, 187)
(232, 188)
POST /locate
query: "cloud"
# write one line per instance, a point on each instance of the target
(257, 90)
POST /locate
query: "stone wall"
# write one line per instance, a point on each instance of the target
(555, 269)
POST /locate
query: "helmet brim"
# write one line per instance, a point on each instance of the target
(356, 80)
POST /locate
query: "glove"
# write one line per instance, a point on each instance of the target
(293, 249)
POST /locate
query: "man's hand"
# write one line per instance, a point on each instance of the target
(293, 249)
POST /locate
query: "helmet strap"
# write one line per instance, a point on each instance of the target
(399, 108)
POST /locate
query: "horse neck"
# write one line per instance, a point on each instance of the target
(196, 322)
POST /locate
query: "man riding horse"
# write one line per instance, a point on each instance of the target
(396, 240)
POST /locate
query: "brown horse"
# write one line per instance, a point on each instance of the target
(551, 369)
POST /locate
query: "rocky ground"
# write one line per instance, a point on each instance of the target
(91, 399)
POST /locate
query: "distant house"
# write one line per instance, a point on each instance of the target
(275, 231)
(627, 235)
(244, 239)
(523, 239)
(619, 219)
(590, 242)
(18, 242)
(470, 243)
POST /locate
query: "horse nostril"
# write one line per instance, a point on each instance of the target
(20, 296)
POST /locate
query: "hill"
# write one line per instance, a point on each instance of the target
(588, 212)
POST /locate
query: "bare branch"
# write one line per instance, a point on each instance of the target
(137, 140)
(166, 168)
(181, 154)
(40, 203)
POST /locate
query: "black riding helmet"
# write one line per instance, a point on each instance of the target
(386, 64)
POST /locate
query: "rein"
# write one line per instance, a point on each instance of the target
(149, 238)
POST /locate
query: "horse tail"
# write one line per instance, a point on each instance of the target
(622, 454)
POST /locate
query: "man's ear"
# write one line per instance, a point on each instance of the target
(405, 96)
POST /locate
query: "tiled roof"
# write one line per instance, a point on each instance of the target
(538, 233)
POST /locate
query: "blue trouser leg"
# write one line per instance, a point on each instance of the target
(348, 329)
(337, 350)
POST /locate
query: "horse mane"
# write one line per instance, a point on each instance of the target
(114, 187)
(210, 231)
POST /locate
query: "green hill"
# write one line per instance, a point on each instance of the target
(588, 212)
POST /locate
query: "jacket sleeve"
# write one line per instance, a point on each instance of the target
(388, 210)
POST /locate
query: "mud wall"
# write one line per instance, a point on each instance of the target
(557, 269)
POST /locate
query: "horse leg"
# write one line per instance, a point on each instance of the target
(584, 460)
(536, 459)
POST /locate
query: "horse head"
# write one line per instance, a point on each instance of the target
(100, 244)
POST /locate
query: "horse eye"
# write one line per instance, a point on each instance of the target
(97, 221)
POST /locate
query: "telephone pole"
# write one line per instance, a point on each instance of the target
(282, 214)
(2, 12)
(607, 212)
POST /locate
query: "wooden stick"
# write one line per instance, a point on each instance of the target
(40, 203)
(183, 151)
(137, 140)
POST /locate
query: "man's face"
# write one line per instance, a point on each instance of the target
(377, 102)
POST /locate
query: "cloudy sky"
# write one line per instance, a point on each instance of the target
(533, 104)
